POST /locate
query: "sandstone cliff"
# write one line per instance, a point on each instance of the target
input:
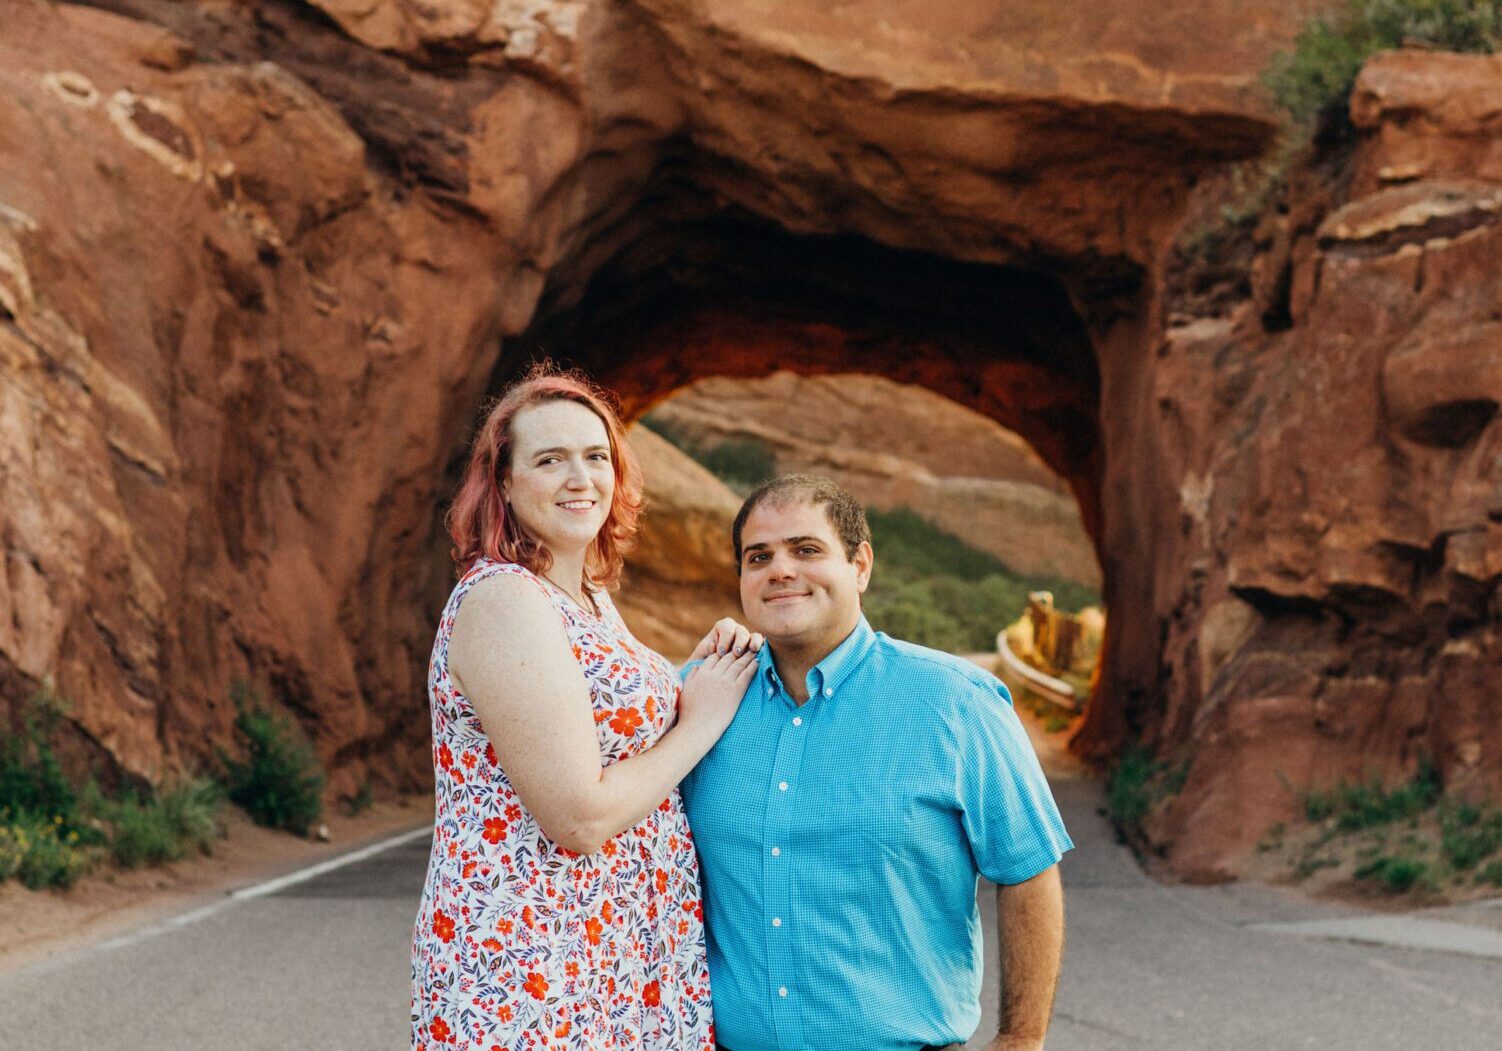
(261, 261)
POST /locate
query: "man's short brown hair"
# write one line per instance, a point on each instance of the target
(846, 515)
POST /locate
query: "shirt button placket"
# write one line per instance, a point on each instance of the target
(787, 767)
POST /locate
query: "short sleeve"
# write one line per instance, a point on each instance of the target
(1006, 806)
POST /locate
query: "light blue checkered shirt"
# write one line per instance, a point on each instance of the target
(839, 845)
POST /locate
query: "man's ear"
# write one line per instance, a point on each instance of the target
(864, 560)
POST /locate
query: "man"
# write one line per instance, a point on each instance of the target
(844, 816)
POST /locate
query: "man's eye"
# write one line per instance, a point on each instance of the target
(600, 456)
(808, 550)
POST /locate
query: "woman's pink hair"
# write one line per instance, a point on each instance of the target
(481, 523)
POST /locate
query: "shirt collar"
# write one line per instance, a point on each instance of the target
(835, 668)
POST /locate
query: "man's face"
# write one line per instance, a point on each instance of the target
(797, 587)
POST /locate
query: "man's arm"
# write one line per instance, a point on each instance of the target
(1030, 924)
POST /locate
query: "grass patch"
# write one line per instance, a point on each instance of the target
(163, 826)
(1470, 835)
(1137, 785)
(279, 782)
(1313, 82)
(1402, 839)
(1399, 873)
(1360, 806)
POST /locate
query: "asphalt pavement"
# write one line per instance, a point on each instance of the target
(322, 963)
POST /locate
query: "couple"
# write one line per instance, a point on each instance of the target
(845, 789)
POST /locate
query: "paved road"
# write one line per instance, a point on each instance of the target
(323, 965)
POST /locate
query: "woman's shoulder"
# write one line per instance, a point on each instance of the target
(499, 579)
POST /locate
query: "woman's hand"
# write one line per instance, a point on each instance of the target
(727, 636)
(713, 691)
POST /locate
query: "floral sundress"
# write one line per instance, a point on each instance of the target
(521, 943)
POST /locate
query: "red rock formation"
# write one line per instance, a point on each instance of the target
(1329, 591)
(260, 261)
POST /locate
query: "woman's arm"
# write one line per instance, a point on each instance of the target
(510, 655)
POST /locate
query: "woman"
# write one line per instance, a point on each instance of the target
(562, 901)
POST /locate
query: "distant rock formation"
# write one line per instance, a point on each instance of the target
(262, 261)
(901, 446)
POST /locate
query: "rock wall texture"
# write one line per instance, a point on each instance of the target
(261, 261)
(1330, 565)
(898, 446)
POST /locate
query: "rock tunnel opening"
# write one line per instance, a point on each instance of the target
(730, 295)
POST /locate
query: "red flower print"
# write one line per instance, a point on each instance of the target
(625, 721)
(531, 981)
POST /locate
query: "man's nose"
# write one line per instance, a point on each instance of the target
(782, 568)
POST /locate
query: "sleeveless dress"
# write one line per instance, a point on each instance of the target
(521, 943)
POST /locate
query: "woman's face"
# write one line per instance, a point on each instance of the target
(561, 480)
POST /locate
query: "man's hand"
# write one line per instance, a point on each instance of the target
(1030, 923)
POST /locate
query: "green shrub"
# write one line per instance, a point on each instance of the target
(907, 610)
(1362, 806)
(1313, 82)
(1398, 873)
(164, 827)
(1129, 789)
(43, 854)
(1469, 835)
(741, 463)
(279, 783)
(31, 778)
(1491, 873)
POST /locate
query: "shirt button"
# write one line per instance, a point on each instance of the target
(828, 691)
(782, 786)
(782, 990)
(797, 720)
(776, 921)
(777, 852)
